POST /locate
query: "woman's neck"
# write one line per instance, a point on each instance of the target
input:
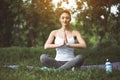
(65, 28)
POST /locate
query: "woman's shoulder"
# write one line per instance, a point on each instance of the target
(75, 32)
(54, 32)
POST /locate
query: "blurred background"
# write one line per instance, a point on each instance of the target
(27, 23)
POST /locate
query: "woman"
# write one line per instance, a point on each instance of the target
(64, 42)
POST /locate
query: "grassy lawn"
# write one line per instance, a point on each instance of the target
(30, 56)
(26, 74)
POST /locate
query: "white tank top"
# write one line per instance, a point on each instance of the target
(64, 53)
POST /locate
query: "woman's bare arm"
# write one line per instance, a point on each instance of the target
(49, 42)
(81, 43)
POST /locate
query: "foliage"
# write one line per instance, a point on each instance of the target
(97, 20)
(9, 16)
(25, 22)
(29, 22)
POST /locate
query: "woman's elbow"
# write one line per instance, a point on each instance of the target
(84, 46)
(45, 47)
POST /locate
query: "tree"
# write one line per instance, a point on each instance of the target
(8, 15)
(40, 20)
(96, 18)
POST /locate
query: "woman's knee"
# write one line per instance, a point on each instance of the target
(80, 60)
(80, 57)
(43, 57)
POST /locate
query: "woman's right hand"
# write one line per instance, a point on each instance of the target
(61, 44)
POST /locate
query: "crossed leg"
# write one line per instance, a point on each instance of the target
(50, 62)
(77, 62)
(60, 65)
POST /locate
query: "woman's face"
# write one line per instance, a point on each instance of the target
(65, 19)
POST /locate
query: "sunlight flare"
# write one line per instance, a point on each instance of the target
(66, 4)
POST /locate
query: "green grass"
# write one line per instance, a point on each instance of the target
(30, 56)
(88, 74)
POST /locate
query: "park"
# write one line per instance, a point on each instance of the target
(26, 24)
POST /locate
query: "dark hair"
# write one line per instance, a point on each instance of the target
(65, 11)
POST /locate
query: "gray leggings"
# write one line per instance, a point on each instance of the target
(60, 65)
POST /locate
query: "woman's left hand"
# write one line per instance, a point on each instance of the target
(68, 44)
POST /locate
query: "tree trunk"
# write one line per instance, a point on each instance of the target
(31, 39)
